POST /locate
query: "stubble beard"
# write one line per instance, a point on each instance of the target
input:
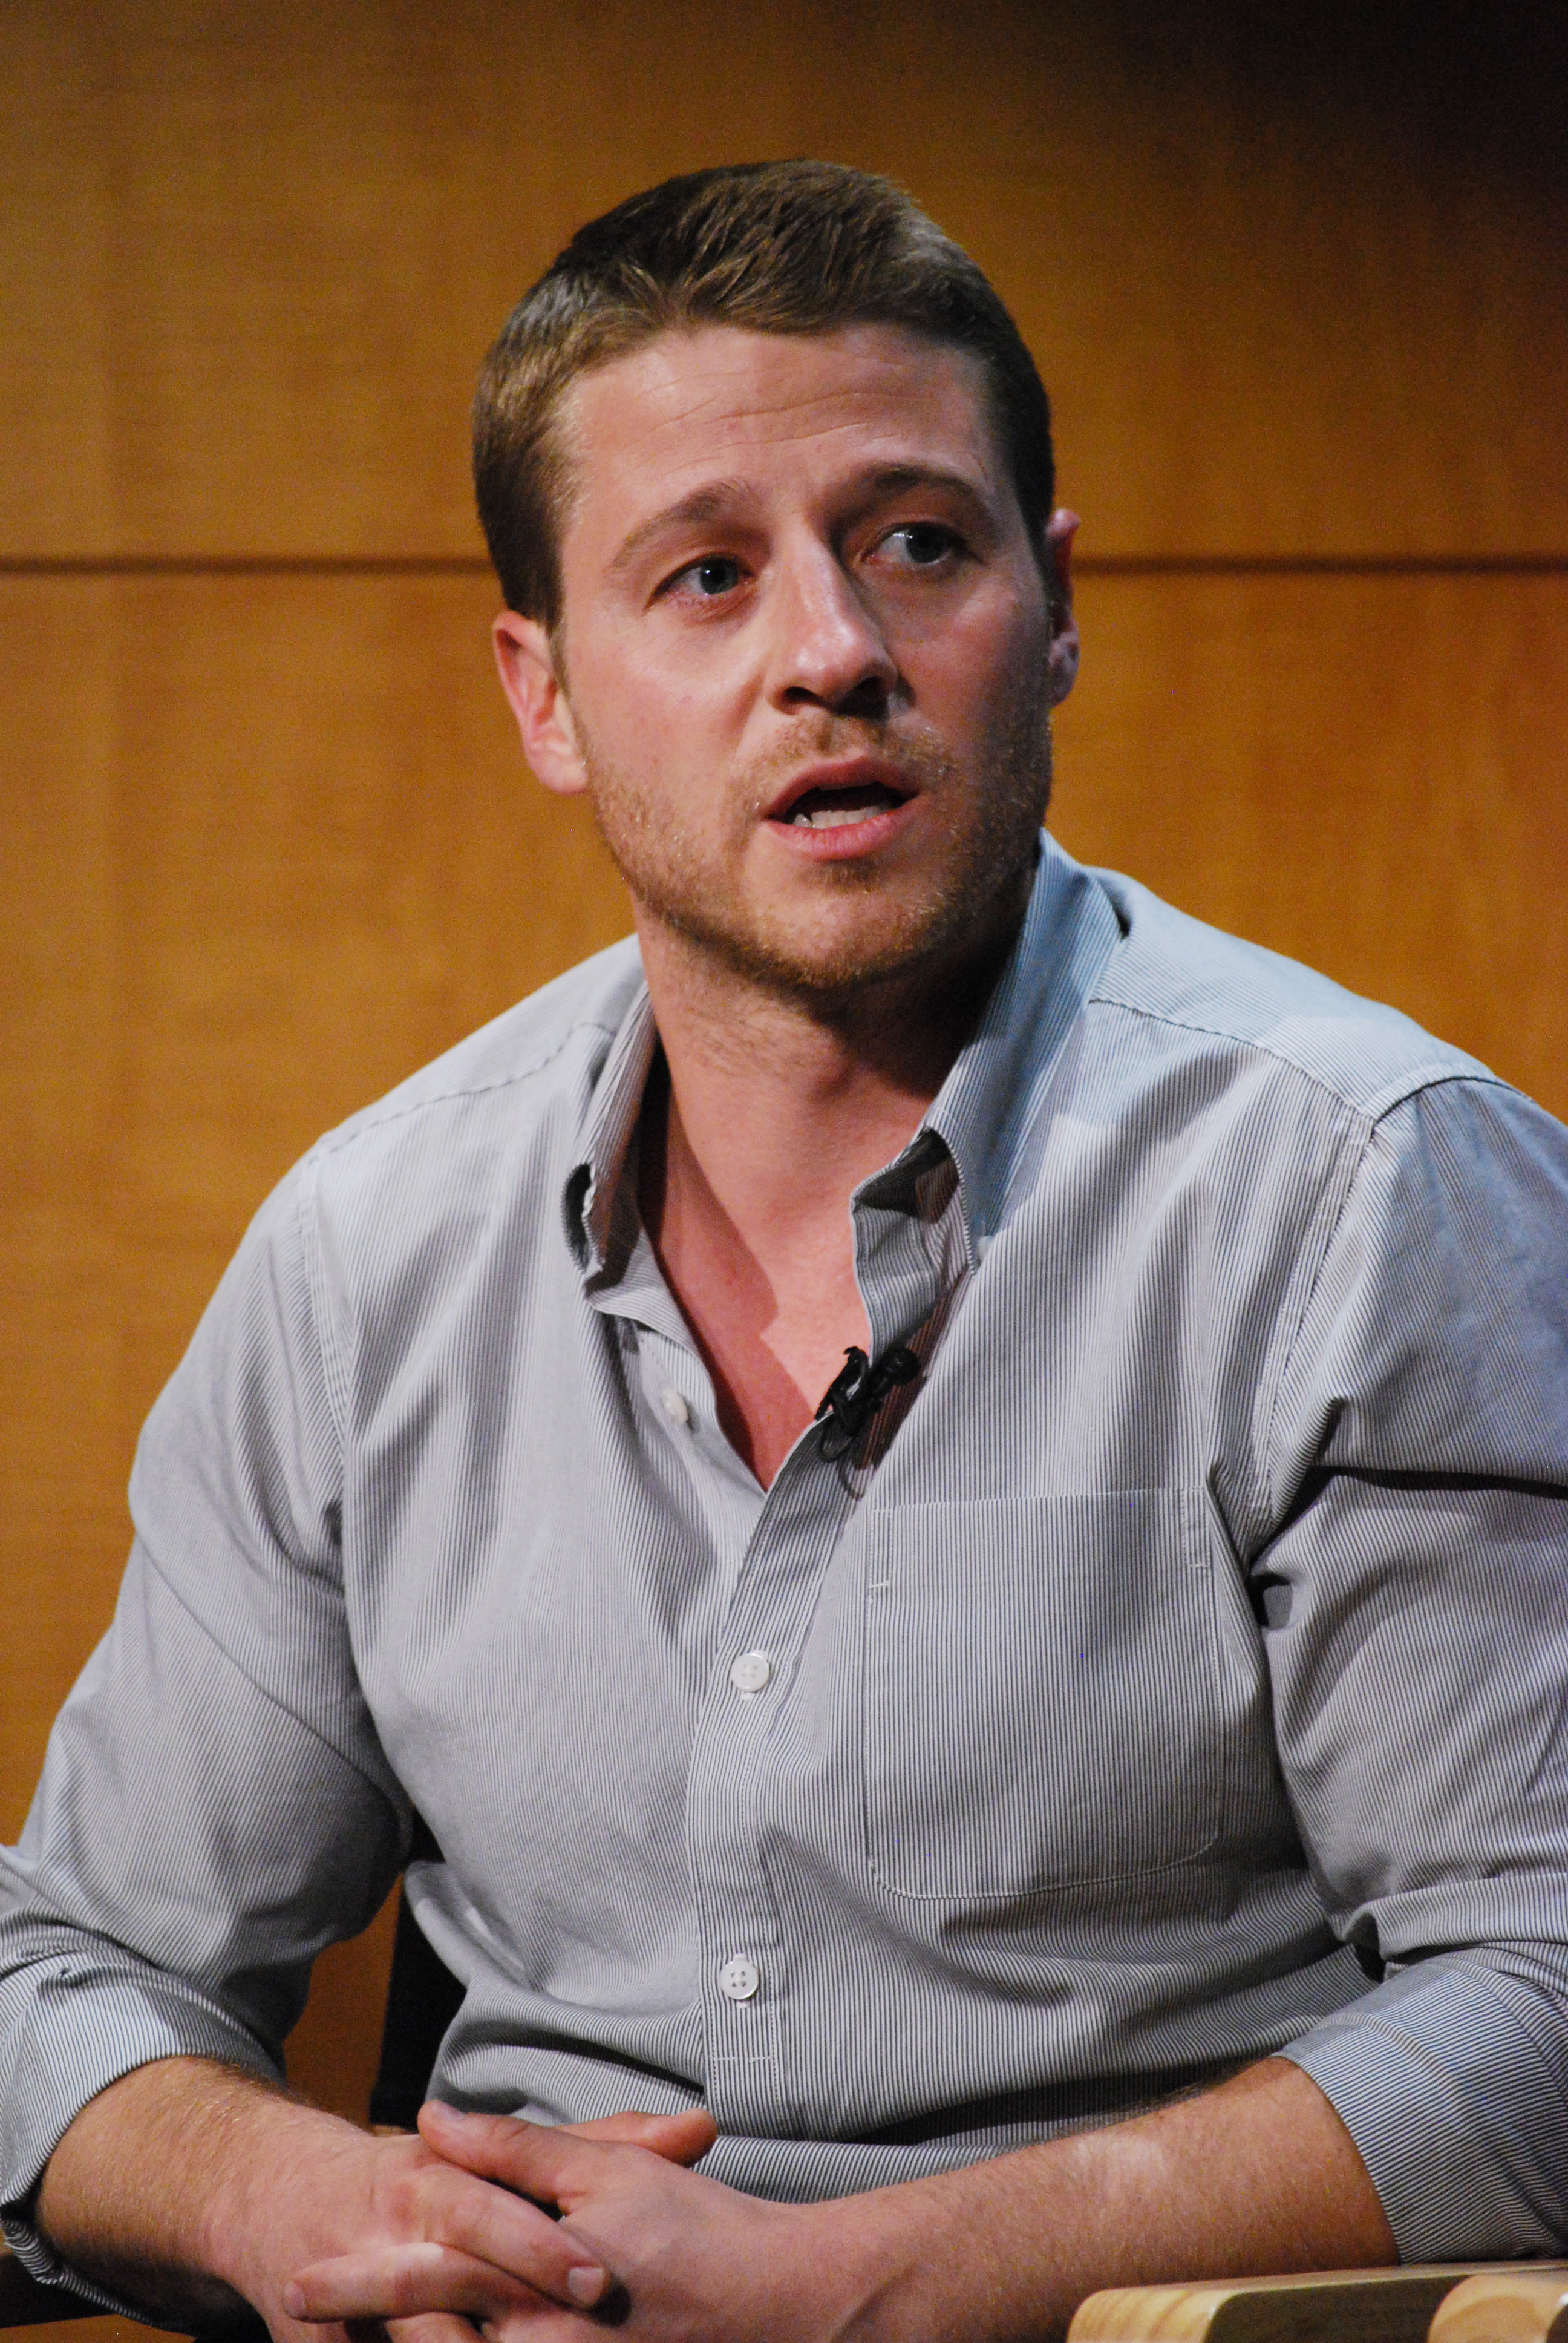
(976, 884)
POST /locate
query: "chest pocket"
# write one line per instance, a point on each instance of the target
(1041, 1692)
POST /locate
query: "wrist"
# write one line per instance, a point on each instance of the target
(872, 2258)
(289, 2182)
(156, 2187)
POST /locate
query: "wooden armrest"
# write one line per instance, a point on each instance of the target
(24, 2302)
(1516, 2303)
(1375, 2306)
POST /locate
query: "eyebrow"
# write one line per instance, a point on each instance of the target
(719, 498)
(888, 479)
(693, 511)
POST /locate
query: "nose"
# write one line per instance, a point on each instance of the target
(827, 650)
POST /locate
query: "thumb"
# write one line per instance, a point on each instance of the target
(679, 2138)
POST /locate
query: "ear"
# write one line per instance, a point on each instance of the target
(536, 696)
(1061, 659)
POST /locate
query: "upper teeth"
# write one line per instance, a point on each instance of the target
(829, 817)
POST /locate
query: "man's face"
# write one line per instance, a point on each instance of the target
(807, 658)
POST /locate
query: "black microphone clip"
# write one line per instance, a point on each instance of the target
(855, 1392)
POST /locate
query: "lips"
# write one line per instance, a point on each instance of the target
(836, 809)
(841, 795)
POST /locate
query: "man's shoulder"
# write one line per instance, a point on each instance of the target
(517, 1072)
(1197, 979)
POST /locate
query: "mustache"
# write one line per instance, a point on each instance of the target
(913, 752)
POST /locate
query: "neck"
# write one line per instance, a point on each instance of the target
(769, 1112)
(785, 1103)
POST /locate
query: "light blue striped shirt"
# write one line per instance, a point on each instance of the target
(1174, 1675)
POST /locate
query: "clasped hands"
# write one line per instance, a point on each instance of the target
(519, 2229)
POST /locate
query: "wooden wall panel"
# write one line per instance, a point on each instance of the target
(269, 845)
(61, 1449)
(1368, 773)
(56, 492)
(1289, 295)
(332, 2053)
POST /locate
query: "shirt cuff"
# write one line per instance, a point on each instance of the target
(1451, 2079)
(39, 2262)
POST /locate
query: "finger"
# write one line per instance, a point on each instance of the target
(410, 2281)
(535, 2325)
(546, 2322)
(683, 2138)
(448, 2206)
(541, 2161)
(438, 2326)
(407, 2281)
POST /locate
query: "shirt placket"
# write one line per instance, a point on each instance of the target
(748, 1969)
(908, 1251)
(745, 1956)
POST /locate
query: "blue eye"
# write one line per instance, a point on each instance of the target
(717, 574)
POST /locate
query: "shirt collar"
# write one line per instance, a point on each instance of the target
(981, 1117)
(600, 1211)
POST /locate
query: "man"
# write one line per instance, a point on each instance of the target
(1082, 1803)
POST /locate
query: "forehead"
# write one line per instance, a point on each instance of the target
(770, 408)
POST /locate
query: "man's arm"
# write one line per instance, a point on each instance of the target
(1412, 1582)
(193, 2188)
(1258, 2173)
(215, 1805)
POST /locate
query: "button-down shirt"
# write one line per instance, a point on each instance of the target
(1172, 1676)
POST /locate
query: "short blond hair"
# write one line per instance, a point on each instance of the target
(798, 248)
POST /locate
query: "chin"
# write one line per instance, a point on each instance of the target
(878, 945)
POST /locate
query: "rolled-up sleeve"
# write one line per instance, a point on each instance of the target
(1416, 1602)
(215, 1806)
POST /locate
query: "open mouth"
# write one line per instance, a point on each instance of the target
(825, 808)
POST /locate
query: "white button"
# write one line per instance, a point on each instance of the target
(740, 1978)
(751, 1672)
(674, 1406)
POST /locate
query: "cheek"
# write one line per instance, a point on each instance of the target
(990, 636)
(974, 677)
(645, 712)
(646, 774)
